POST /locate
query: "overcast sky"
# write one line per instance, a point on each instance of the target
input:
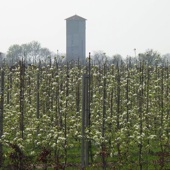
(112, 26)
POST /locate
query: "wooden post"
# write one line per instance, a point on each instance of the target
(104, 117)
(85, 121)
(38, 94)
(65, 114)
(1, 114)
(140, 110)
(9, 86)
(21, 100)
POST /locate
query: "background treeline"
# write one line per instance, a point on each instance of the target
(29, 52)
(32, 52)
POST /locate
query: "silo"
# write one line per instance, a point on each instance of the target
(75, 38)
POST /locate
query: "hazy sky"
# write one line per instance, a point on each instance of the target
(112, 26)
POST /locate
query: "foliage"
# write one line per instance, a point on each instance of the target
(129, 125)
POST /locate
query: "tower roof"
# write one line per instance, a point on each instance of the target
(75, 17)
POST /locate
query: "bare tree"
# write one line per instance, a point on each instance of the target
(14, 54)
(117, 59)
(99, 57)
(150, 57)
(31, 52)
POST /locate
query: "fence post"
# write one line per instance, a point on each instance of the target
(38, 94)
(85, 121)
(21, 98)
(1, 114)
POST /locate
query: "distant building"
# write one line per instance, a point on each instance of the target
(75, 38)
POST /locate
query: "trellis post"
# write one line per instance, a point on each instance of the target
(1, 114)
(85, 121)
